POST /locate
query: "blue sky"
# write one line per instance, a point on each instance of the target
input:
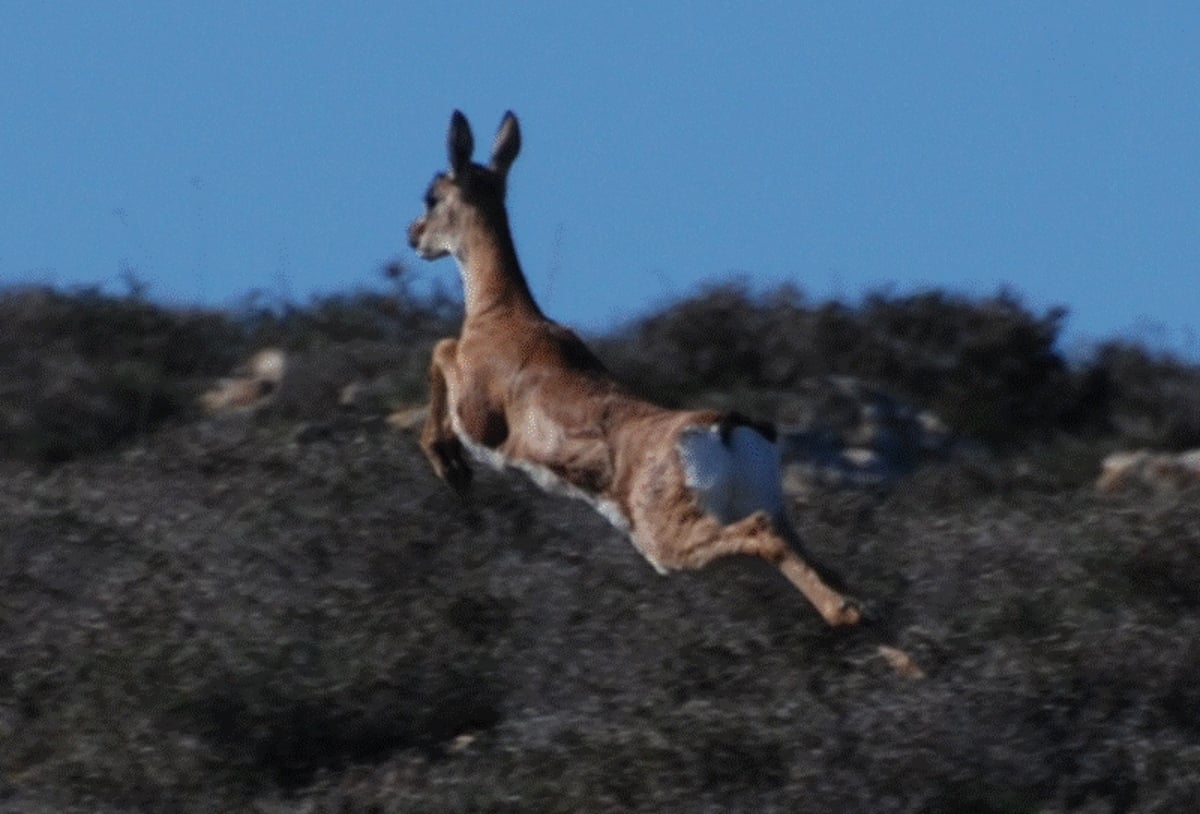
(215, 148)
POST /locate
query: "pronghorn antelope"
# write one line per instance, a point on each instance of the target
(517, 389)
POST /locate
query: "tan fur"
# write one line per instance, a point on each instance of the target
(522, 389)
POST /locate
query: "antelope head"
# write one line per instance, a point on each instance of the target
(470, 197)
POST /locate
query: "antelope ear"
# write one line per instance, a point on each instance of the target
(460, 144)
(507, 145)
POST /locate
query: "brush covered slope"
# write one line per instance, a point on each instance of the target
(279, 612)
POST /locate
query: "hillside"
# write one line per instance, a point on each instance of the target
(282, 611)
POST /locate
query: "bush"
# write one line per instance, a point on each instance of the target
(989, 367)
(1146, 398)
(82, 371)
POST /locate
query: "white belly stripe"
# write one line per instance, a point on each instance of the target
(545, 478)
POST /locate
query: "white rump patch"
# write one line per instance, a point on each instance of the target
(733, 479)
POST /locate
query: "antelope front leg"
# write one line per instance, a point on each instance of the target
(438, 439)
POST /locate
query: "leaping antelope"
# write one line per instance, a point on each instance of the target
(517, 389)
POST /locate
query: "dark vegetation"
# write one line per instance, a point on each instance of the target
(991, 368)
(284, 611)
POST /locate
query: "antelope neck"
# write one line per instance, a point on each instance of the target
(492, 276)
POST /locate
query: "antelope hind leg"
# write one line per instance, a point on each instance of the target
(756, 536)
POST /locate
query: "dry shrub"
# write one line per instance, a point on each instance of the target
(989, 367)
(243, 615)
(235, 617)
(83, 371)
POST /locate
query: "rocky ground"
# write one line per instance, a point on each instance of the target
(273, 612)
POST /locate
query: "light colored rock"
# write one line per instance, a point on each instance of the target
(1159, 471)
(253, 384)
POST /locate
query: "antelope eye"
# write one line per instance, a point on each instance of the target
(430, 201)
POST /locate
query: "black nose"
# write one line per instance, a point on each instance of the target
(414, 233)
